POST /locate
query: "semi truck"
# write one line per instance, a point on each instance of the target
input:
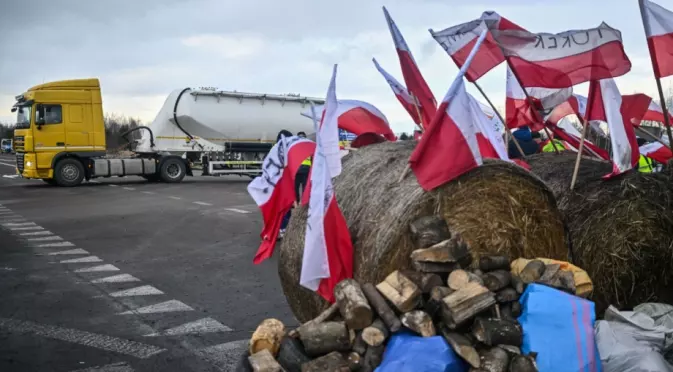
(60, 133)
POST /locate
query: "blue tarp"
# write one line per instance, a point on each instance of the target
(559, 327)
(407, 352)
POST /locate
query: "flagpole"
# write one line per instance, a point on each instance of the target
(585, 124)
(509, 131)
(653, 136)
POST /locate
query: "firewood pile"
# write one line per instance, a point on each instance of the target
(471, 303)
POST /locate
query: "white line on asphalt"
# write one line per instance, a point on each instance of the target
(11, 176)
(83, 260)
(236, 210)
(224, 355)
(121, 278)
(13, 224)
(9, 165)
(55, 244)
(98, 341)
(175, 198)
(69, 251)
(128, 188)
(114, 367)
(112, 185)
(45, 238)
(149, 192)
(145, 290)
(26, 228)
(13, 219)
(205, 325)
(99, 268)
(94, 181)
(35, 233)
(164, 307)
(202, 203)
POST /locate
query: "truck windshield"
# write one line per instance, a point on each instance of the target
(23, 117)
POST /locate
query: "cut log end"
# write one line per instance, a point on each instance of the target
(532, 271)
(459, 278)
(497, 280)
(493, 332)
(400, 291)
(267, 336)
(523, 363)
(353, 304)
(507, 295)
(323, 338)
(494, 262)
(494, 360)
(419, 322)
(376, 334)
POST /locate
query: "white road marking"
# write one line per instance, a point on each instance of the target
(6, 211)
(224, 355)
(69, 251)
(114, 367)
(112, 185)
(145, 290)
(14, 224)
(202, 203)
(99, 268)
(13, 219)
(94, 181)
(205, 325)
(7, 269)
(175, 198)
(128, 188)
(98, 341)
(121, 278)
(83, 260)
(10, 175)
(149, 192)
(164, 307)
(35, 233)
(236, 210)
(26, 228)
(9, 165)
(45, 238)
(55, 244)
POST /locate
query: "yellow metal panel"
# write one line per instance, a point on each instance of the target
(78, 132)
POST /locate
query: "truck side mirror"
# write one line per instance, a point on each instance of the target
(39, 116)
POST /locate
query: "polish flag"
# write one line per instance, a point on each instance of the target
(658, 22)
(329, 127)
(328, 250)
(412, 75)
(491, 143)
(403, 95)
(654, 112)
(459, 40)
(571, 136)
(575, 105)
(605, 104)
(656, 151)
(636, 106)
(273, 191)
(359, 117)
(518, 110)
(565, 59)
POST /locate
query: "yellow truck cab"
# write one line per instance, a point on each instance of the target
(60, 138)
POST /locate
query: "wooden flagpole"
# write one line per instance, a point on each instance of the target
(585, 124)
(653, 136)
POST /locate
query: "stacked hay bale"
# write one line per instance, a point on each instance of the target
(497, 208)
(621, 229)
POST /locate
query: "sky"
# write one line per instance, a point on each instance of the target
(142, 50)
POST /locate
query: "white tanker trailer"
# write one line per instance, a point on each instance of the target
(228, 132)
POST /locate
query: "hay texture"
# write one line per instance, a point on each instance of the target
(498, 207)
(621, 229)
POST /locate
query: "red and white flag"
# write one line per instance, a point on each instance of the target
(519, 112)
(490, 141)
(412, 75)
(459, 40)
(329, 127)
(656, 113)
(359, 117)
(565, 59)
(402, 93)
(658, 22)
(636, 102)
(575, 105)
(571, 136)
(656, 151)
(605, 104)
(274, 190)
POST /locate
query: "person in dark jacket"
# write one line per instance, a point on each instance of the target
(301, 178)
(525, 139)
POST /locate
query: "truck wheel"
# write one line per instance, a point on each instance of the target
(69, 172)
(172, 170)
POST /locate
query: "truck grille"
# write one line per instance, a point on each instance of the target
(19, 161)
(19, 143)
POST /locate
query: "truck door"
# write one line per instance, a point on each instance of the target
(78, 132)
(49, 133)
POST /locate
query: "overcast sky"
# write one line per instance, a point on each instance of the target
(142, 50)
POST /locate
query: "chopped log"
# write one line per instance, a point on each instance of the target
(419, 322)
(400, 291)
(354, 361)
(497, 280)
(376, 334)
(518, 284)
(353, 304)
(381, 307)
(268, 335)
(497, 331)
(425, 282)
(465, 303)
(292, 355)
(435, 267)
(462, 346)
(549, 274)
(567, 281)
(332, 362)
(494, 262)
(428, 231)
(459, 278)
(511, 350)
(516, 309)
(359, 345)
(507, 295)
(478, 273)
(326, 315)
(450, 250)
(263, 361)
(494, 360)
(373, 358)
(523, 363)
(323, 338)
(532, 271)
(434, 304)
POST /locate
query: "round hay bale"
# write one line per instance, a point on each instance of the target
(621, 229)
(498, 207)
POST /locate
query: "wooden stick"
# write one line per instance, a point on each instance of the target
(579, 156)
(667, 120)
(404, 173)
(653, 136)
(381, 307)
(325, 315)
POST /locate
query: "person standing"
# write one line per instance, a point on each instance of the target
(301, 178)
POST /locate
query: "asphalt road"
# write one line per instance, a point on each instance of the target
(122, 275)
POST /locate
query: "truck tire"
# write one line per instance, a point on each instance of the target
(69, 172)
(172, 170)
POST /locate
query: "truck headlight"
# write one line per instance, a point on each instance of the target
(29, 164)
